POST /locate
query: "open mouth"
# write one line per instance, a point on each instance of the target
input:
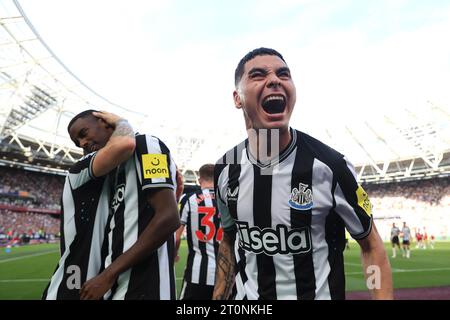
(274, 104)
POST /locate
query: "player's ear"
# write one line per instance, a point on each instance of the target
(237, 99)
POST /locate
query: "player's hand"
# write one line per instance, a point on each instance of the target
(108, 117)
(95, 288)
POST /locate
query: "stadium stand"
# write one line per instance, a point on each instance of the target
(421, 203)
(29, 206)
(17, 228)
(30, 189)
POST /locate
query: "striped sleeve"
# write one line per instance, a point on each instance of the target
(155, 166)
(352, 202)
(81, 172)
(220, 185)
(184, 208)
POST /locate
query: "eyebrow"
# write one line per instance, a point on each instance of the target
(264, 71)
(283, 69)
(256, 69)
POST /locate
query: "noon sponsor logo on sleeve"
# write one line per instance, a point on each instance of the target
(155, 166)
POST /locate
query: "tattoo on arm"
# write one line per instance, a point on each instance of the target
(224, 272)
(123, 128)
(226, 268)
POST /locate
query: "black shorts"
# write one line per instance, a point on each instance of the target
(193, 291)
(395, 240)
(405, 242)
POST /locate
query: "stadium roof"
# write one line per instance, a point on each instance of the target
(39, 95)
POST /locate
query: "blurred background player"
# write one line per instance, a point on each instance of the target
(406, 235)
(432, 241)
(395, 232)
(425, 239)
(199, 215)
(419, 238)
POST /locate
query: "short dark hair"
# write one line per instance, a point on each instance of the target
(207, 171)
(83, 114)
(251, 55)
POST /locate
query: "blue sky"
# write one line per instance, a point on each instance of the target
(173, 57)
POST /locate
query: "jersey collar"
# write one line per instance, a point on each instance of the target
(283, 155)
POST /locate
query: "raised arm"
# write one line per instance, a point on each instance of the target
(225, 267)
(119, 147)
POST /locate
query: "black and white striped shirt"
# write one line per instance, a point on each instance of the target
(395, 232)
(406, 234)
(85, 207)
(198, 214)
(291, 223)
(150, 167)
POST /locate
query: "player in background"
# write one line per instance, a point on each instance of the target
(199, 216)
(425, 238)
(432, 241)
(395, 232)
(406, 234)
(419, 238)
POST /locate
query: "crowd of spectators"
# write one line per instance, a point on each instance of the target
(422, 204)
(410, 195)
(21, 193)
(24, 227)
(31, 189)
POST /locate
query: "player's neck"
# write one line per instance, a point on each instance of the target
(267, 144)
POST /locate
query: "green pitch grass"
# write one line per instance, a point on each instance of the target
(425, 268)
(25, 271)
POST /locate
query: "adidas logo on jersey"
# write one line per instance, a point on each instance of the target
(301, 198)
(270, 241)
